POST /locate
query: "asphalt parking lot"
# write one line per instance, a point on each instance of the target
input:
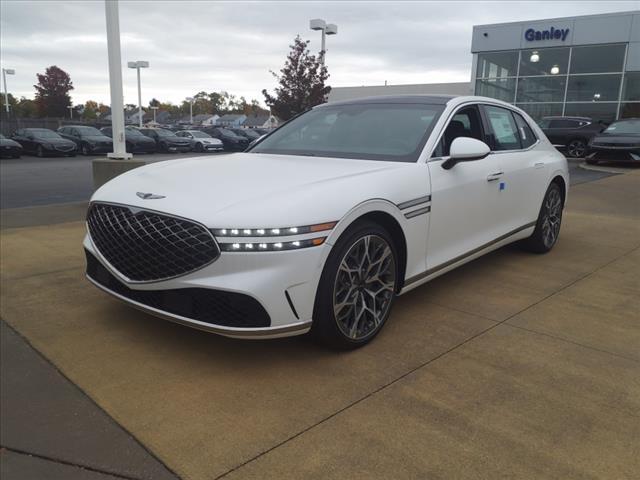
(513, 366)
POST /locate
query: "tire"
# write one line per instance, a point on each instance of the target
(361, 318)
(199, 148)
(547, 229)
(163, 148)
(40, 151)
(576, 148)
(84, 149)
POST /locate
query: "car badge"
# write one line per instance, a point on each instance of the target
(149, 196)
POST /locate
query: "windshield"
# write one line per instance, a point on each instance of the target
(388, 132)
(43, 133)
(626, 127)
(88, 131)
(132, 132)
(165, 133)
(198, 134)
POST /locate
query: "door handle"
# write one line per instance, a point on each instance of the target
(538, 165)
(492, 177)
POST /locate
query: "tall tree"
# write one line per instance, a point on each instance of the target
(52, 92)
(301, 83)
(90, 111)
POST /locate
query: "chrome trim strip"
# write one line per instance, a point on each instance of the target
(459, 258)
(420, 211)
(300, 327)
(414, 202)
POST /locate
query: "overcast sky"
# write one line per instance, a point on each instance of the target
(211, 45)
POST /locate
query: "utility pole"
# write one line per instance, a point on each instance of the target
(5, 72)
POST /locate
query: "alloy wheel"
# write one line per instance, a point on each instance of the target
(576, 148)
(552, 217)
(364, 287)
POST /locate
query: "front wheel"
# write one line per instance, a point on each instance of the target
(199, 147)
(547, 229)
(357, 287)
(40, 151)
(576, 148)
(85, 149)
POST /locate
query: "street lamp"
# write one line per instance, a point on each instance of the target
(190, 100)
(138, 65)
(154, 113)
(5, 72)
(326, 29)
(70, 107)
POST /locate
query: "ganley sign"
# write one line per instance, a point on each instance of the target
(532, 35)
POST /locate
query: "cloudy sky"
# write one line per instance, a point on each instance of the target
(214, 45)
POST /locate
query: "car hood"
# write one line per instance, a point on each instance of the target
(7, 142)
(138, 139)
(261, 190)
(97, 138)
(622, 139)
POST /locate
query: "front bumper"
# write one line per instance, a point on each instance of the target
(614, 154)
(179, 148)
(10, 151)
(213, 147)
(267, 277)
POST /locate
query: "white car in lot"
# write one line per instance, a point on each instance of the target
(201, 141)
(321, 224)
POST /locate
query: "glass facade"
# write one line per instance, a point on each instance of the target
(584, 81)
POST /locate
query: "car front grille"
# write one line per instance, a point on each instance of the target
(147, 246)
(215, 307)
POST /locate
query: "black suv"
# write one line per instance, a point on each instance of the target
(89, 140)
(135, 141)
(166, 140)
(571, 133)
(230, 140)
(620, 142)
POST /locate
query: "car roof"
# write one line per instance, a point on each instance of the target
(423, 99)
(568, 117)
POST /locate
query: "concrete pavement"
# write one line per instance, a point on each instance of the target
(516, 365)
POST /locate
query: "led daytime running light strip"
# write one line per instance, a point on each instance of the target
(272, 232)
(271, 246)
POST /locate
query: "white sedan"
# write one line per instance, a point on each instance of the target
(322, 223)
(201, 142)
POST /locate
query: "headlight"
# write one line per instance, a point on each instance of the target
(269, 244)
(272, 232)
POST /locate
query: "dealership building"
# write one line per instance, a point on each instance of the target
(582, 66)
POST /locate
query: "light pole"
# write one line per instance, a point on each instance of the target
(70, 107)
(115, 80)
(154, 113)
(326, 29)
(190, 100)
(5, 72)
(138, 65)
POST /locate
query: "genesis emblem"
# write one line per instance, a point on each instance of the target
(149, 196)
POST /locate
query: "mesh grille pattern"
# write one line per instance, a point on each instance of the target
(148, 246)
(215, 307)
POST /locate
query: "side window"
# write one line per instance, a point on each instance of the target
(465, 123)
(504, 131)
(527, 137)
(564, 123)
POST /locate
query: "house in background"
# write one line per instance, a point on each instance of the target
(231, 120)
(261, 120)
(205, 119)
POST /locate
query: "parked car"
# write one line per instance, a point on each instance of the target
(135, 141)
(251, 135)
(44, 142)
(620, 142)
(230, 140)
(166, 140)
(202, 142)
(9, 148)
(322, 232)
(89, 140)
(571, 134)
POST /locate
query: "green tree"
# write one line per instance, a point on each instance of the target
(301, 83)
(52, 92)
(90, 111)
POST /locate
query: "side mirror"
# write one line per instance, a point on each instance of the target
(465, 149)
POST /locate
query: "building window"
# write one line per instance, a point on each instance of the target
(500, 88)
(497, 65)
(593, 88)
(631, 88)
(604, 112)
(544, 61)
(598, 59)
(541, 89)
(630, 110)
(539, 110)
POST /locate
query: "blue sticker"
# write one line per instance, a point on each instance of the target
(501, 186)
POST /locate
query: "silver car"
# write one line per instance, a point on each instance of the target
(202, 142)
